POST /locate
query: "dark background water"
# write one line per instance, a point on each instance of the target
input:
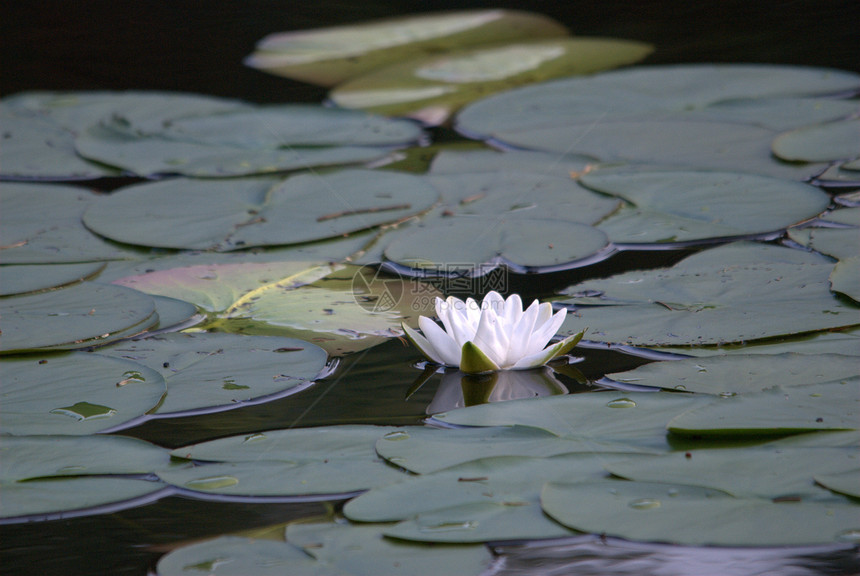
(199, 46)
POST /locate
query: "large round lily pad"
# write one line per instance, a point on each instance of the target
(76, 317)
(734, 293)
(328, 56)
(681, 206)
(24, 278)
(663, 512)
(210, 372)
(75, 394)
(432, 88)
(242, 213)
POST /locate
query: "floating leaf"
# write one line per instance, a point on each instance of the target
(75, 393)
(82, 315)
(686, 515)
(679, 206)
(210, 372)
(734, 293)
(820, 143)
(644, 92)
(845, 278)
(740, 373)
(248, 212)
(21, 279)
(847, 482)
(453, 161)
(328, 56)
(432, 88)
(774, 113)
(42, 225)
(839, 235)
(829, 406)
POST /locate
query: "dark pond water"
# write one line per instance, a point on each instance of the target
(198, 47)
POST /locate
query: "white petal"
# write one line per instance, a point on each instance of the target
(513, 309)
(422, 343)
(485, 338)
(441, 341)
(544, 334)
(521, 333)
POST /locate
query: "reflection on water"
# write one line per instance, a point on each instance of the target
(595, 556)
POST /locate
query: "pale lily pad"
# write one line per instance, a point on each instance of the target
(82, 315)
(426, 450)
(454, 161)
(644, 92)
(847, 482)
(775, 113)
(431, 89)
(24, 278)
(328, 56)
(244, 213)
(212, 372)
(686, 515)
(845, 278)
(767, 472)
(38, 149)
(820, 143)
(675, 143)
(837, 236)
(829, 406)
(174, 314)
(740, 373)
(845, 342)
(240, 556)
(681, 206)
(467, 243)
(42, 225)
(362, 550)
(733, 293)
(636, 420)
(75, 394)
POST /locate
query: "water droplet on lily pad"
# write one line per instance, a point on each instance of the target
(621, 403)
(645, 503)
(397, 435)
(85, 411)
(852, 535)
(212, 482)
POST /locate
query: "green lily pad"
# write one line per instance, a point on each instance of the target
(847, 482)
(845, 342)
(82, 315)
(699, 144)
(635, 420)
(247, 212)
(839, 235)
(328, 56)
(820, 143)
(741, 373)
(21, 279)
(680, 206)
(829, 406)
(845, 278)
(172, 313)
(468, 243)
(211, 372)
(75, 394)
(426, 450)
(686, 515)
(42, 225)
(775, 113)
(430, 89)
(638, 93)
(734, 293)
(36, 148)
(454, 161)
(767, 472)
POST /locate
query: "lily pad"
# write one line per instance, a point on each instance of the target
(643, 92)
(212, 372)
(82, 315)
(740, 373)
(21, 279)
(244, 213)
(829, 406)
(426, 450)
(775, 113)
(454, 161)
(239, 556)
(328, 56)
(469, 243)
(75, 394)
(431, 89)
(680, 514)
(847, 482)
(734, 293)
(681, 206)
(820, 143)
(837, 235)
(42, 225)
(845, 278)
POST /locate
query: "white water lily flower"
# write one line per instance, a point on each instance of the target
(494, 335)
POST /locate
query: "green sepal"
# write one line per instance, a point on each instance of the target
(474, 361)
